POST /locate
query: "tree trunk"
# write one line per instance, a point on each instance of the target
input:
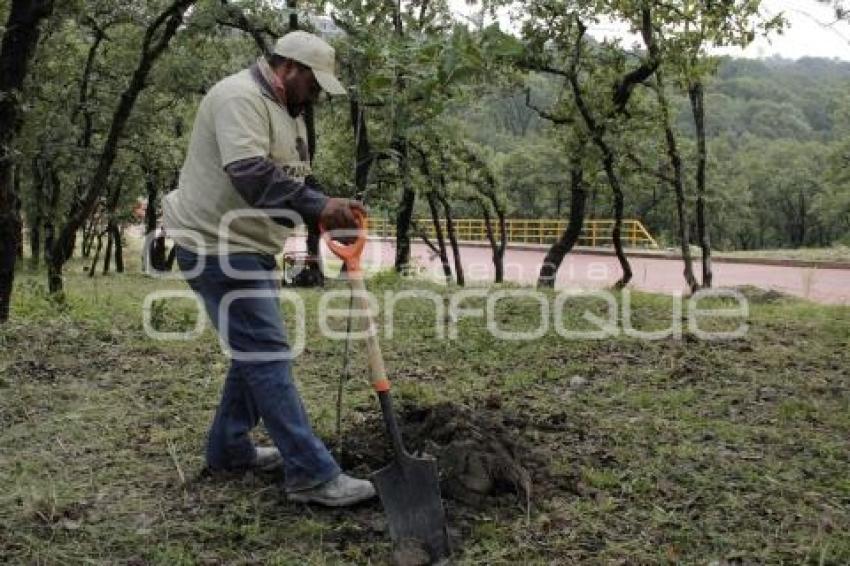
(39, 183)
(498, 264)
(618, 226)
(500, 246)
(16, 190)
(119, 248)
(155, 251)
(441, 241)
(157, 37)
(49, 224)
(10, 230)
(696, 95)
(112, 233)
(107, 257)
(49, 238)
(440, 249)
(597, 134)
(20, 38)
(291, 5)
(405, 212)
(89, 233)
(35, 244)
(559, 250)
(450, 228)
(677, 182)
(96, 254)
(363, 147)
(613, 181)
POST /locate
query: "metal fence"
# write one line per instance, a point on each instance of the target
(595, 233)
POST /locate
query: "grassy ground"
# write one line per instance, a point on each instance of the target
(653, 451)
(834, 253)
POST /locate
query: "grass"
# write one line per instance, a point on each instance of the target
(673, 450)
(835, 253)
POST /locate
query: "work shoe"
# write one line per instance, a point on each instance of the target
(341, 491)
(268, 459)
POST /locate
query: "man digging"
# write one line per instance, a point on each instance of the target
(241, 184)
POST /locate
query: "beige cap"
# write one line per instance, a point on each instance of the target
(313, 51)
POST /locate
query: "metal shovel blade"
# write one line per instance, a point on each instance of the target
(409, 489)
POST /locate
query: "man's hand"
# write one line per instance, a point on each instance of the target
(338, 214)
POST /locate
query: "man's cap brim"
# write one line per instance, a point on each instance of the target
(329, 83)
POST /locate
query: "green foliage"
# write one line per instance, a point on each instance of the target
(440, 85)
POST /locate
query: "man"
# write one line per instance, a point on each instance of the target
(242, 188)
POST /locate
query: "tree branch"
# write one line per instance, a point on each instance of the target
(644, 169)
(623, 88)
(544, 114)
(239, 20)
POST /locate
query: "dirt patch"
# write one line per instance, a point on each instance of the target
(759, 296)
(484, 458)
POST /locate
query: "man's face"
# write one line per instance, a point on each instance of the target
(301, 86)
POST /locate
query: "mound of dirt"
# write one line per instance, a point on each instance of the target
(482, 460)
(478, 456)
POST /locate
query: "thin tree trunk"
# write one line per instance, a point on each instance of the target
(500, 246)
(10, 229)
(486, 187)
(49, 224)
(597, 134)
(405, 212)
(441, 241)
(16, 190)
(157, 37)
(498, 264)
(678, 183)
(119, 248)
(450, 228)
(363, 148)
(107, 256)
(559, 250)
(111, 226)
(440, 249)
(155, 251)
(89, 233)
(696, 94)
(618, 226)
(96, 258)
(35, 244)
(39, 185)
(20, 38)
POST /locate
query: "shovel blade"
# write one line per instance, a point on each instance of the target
(409, 489)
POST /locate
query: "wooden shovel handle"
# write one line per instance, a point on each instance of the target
(380, 383)
(350, 254)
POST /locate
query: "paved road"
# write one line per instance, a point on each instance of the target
(830, 286)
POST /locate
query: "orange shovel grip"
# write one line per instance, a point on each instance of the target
(349, 253)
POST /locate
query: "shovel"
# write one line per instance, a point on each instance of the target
(409, 487)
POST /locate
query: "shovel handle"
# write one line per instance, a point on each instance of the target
(350, 254)
(380, 383)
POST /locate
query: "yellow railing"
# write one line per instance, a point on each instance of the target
(595, 233)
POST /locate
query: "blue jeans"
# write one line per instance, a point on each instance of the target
(256, 388)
